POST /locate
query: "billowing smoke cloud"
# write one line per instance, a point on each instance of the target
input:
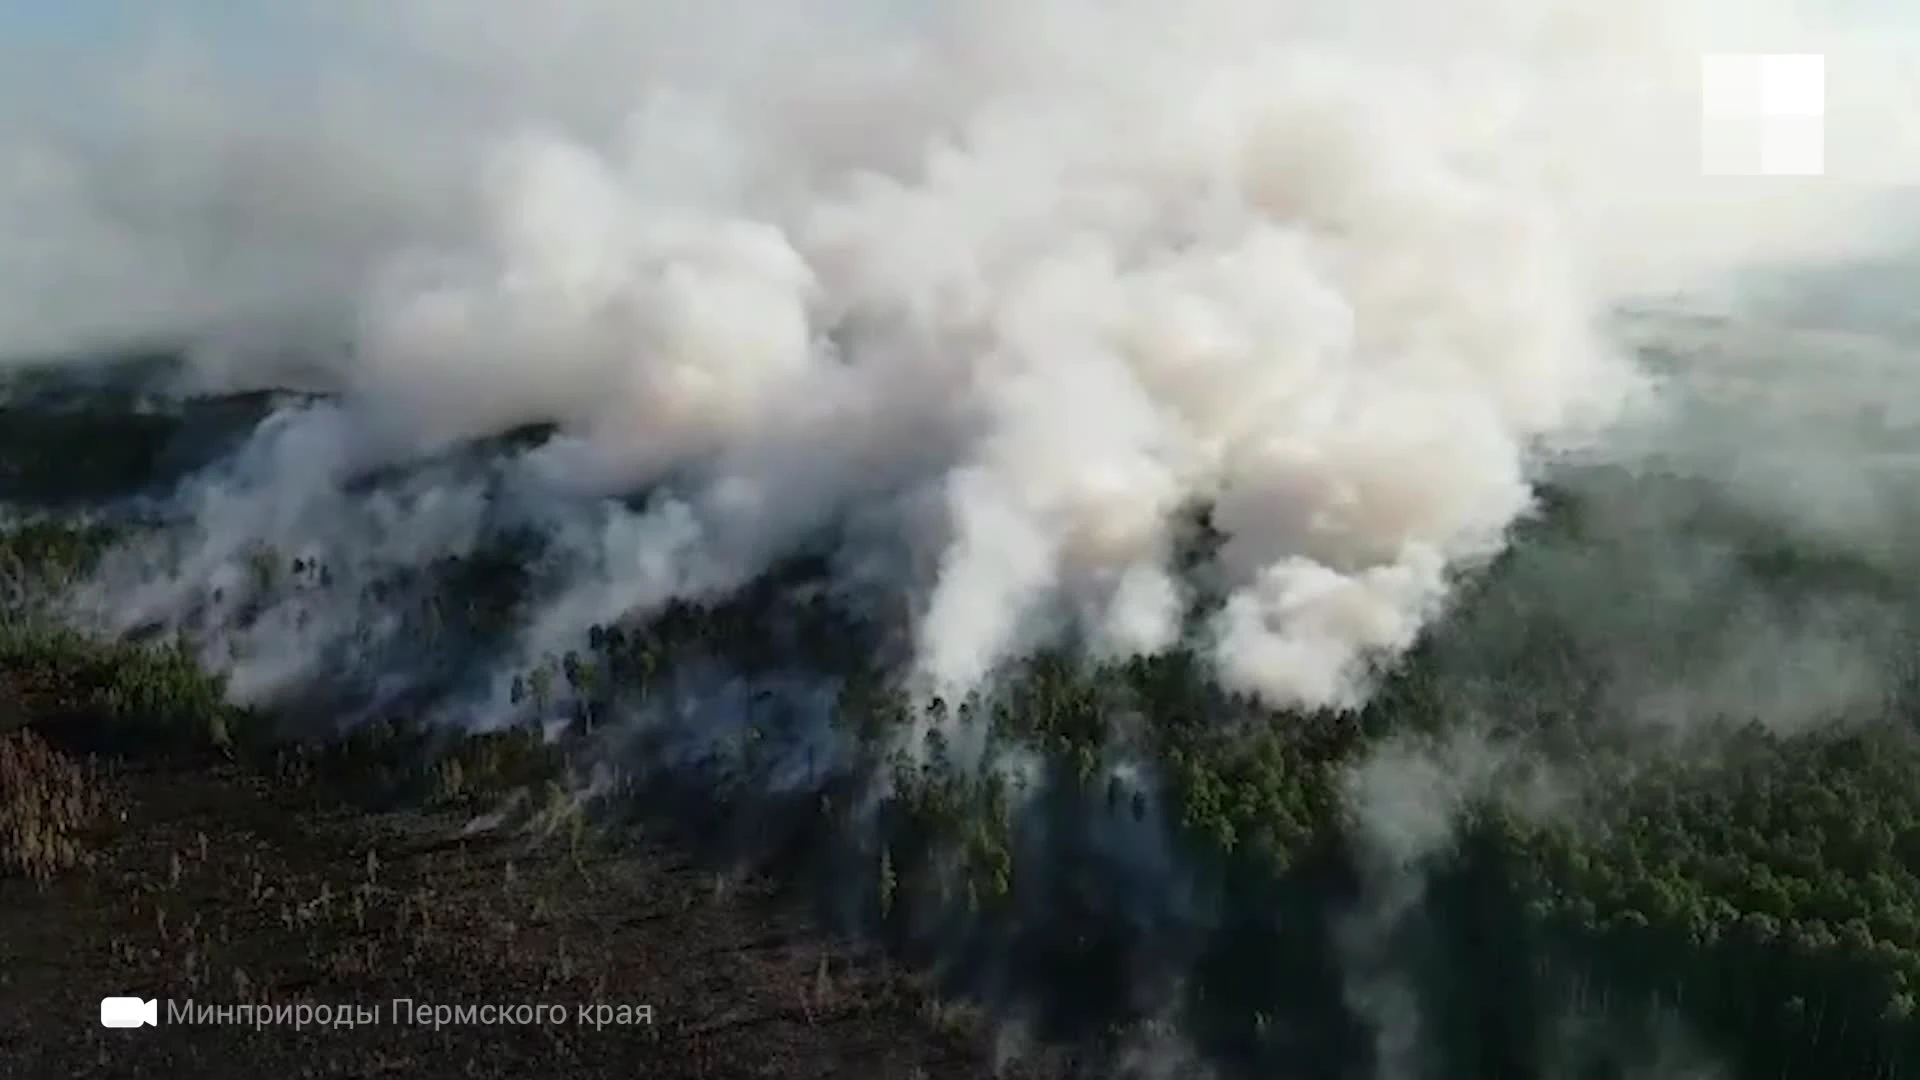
(1016, 282)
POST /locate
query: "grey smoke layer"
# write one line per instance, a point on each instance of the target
(1010, 284)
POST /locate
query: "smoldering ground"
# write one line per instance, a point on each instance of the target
(971, 307)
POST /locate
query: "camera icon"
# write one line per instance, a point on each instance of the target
(129, 1012)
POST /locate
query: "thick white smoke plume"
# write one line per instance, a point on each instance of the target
(1011, 283)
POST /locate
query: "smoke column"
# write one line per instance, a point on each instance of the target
(1008, 284)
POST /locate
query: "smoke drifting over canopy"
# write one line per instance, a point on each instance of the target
(997, 289)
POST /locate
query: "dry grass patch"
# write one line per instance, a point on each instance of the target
(46, 799)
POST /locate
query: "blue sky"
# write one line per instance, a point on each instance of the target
(273, 38)
(84, 24)
(101, 21)
(62, 22)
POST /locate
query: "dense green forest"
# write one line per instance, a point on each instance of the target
(1092, 843)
